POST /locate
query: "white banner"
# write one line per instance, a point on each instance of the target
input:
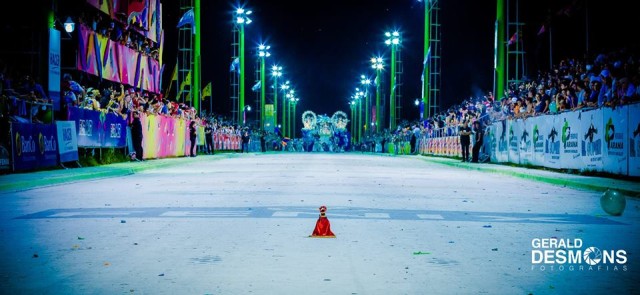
(569, 140)
(54, 68)
(502, 143)
(552, 141)
(591, 138)
(634, 139)
(539, 129)
(526, 141)
(67, 141)
(514, 140)
(615, 148)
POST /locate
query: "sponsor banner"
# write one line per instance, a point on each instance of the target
(615, 146)
(163, 137)
(54, 68)
(591, 140)
(539, 127)
(569, 140)
(5, 162)
(200, 138)
(99, 56)
(34, 146)
(525, 146)
(502, 141)
(98, 129)
(634, 139)
(552, 141)
(513, 140)
(67, 141)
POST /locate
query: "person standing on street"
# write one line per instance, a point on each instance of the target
(465, 140)
(136, 135)
(477, 143)
(192, 138)
(246, 138)
(208, 133)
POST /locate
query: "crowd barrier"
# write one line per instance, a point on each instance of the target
(98, 129)
(224, 141)
(604, 140)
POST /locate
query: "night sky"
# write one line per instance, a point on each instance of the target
(324, 46)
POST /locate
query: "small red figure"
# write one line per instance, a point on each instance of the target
(323, 227)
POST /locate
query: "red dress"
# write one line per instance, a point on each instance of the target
(323, 228)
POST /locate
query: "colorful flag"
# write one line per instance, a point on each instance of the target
(541, 31)
(206, 91)
(425, 62)
(187, 81)
(235, 66)
(513, 39)
(188, 19)
(256, 87)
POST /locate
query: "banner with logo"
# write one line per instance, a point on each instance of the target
(552, 141)
(163, 137)
(5, 158)
(54, 68)
(67, 141)
(34, 146)
(615, 146)
(514, 140)
(98, 129)
(569, 144)
(525, 145)
(502, 141)
(634, 138)
(539, 127)
(591, 138)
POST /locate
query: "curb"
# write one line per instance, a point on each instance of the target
(104, 171)
(551, 180)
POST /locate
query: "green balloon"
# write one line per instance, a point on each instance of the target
(613, 202)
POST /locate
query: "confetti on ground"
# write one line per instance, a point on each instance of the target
(421, 253)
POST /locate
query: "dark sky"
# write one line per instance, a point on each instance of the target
(324, 46)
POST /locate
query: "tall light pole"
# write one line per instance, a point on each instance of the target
(294, 101)
(393, 40)
(289, 97)
(352, 106)
(246, 109)
(376, 64)
(285, 89)
(367, 104)
(276, 72)
(241, 19)
(359, 96)
(263, 54)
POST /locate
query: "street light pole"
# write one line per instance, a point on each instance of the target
(366, 82)
(263, 54)
(393, 41)
(241, 18)
(376, 63)
(276, 72)
(285, 123)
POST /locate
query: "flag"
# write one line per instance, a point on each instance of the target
(139, 18)
(256, 87)
(188, 19)
(235, 66)
(541, 31)
(206, 91)
(425, 62)
(513, 39)
(187, 81)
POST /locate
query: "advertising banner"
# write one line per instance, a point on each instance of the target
(54, 68)
(570, 128)
(67, 141)
(98, 129)
(591, 140)
(514, 140)
(33, 146)
(634, 139)
(552, 142)
(615, 147)
(539, 127)
(525, 145)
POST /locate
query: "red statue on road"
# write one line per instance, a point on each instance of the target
(323, 227)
